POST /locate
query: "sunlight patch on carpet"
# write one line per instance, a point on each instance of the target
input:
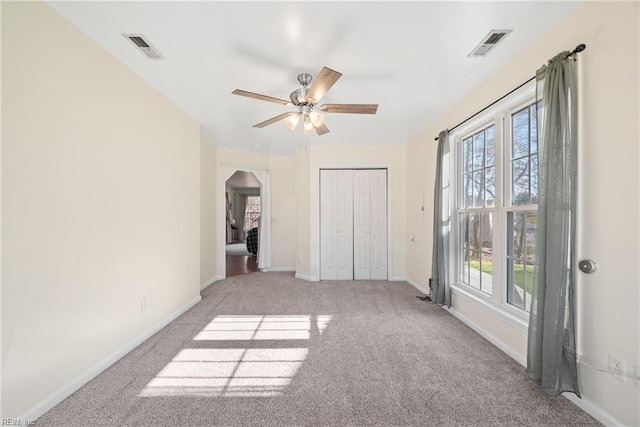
(245, 370)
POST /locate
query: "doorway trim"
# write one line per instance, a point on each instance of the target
(224, 173)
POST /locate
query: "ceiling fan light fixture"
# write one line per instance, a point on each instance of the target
(292, 121)
(317, 119)
(308, 128)
(305, 99)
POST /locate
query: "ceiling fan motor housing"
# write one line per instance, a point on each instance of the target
(298, 96)
(304, 79)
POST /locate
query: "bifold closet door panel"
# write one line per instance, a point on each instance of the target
(361, 225)
(378, 194)
(344, 225)
(370, 224)
(328, 190)
(336, 225)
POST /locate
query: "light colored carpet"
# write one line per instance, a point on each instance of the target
(236, 249)
(267, 349)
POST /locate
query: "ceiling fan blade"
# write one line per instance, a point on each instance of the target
(261, 97)
(322, 83)
(321, 130)
(274, 119)
(349, 108)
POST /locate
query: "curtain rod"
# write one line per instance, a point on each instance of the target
(578, 49)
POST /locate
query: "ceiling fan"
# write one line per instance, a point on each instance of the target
(306, 99)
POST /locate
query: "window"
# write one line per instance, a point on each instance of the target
(252, 212)
(475, 215)
(522, 206)
(496, 176)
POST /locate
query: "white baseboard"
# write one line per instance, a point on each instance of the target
(307, 278)
(41, 408)
(584, 404)
(210, 282)
(593, 410)
(285, 269)
(415, 285)
(510, 351)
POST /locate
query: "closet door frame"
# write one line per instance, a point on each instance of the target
(316, 232)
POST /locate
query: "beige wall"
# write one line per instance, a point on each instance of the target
(283, 213)
(392, 157)
(100, 206)
(303, 198)
(609, 203)
(208, 213)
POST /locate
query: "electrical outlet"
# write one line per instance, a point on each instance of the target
(145, 302)
(616, 367)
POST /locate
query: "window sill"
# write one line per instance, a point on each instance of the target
(509, 316)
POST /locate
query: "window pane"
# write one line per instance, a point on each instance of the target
(463, 247)
(486, 232)
(474, 250)
(465, 230)
(467, 193)
(251, 212)
(486, 252)
(478, 189)
(520, 133)
(478, 151)
(520, 257)
(491, 148)
(510, 287)
(520, 179)
(534, 179)
(467, 268)
(468, 154)
(534, 129)
(518, 235)
(490, 186)
(515, 293)
(531, 227)
(486, 275)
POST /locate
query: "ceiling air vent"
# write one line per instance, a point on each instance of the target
(142, 43)
(489, 42)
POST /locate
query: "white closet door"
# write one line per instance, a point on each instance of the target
(344, 225)
(378, 186)
(336, 225)
(353, 224)
(328, 197)
(361, 225)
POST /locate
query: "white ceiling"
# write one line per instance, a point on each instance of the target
(410, 58)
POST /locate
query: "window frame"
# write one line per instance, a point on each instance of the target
(500, 116)
(252, 213)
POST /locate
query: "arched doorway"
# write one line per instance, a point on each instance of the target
(243, 208)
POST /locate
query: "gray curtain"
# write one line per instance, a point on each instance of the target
(439, 283)
(551, 352)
